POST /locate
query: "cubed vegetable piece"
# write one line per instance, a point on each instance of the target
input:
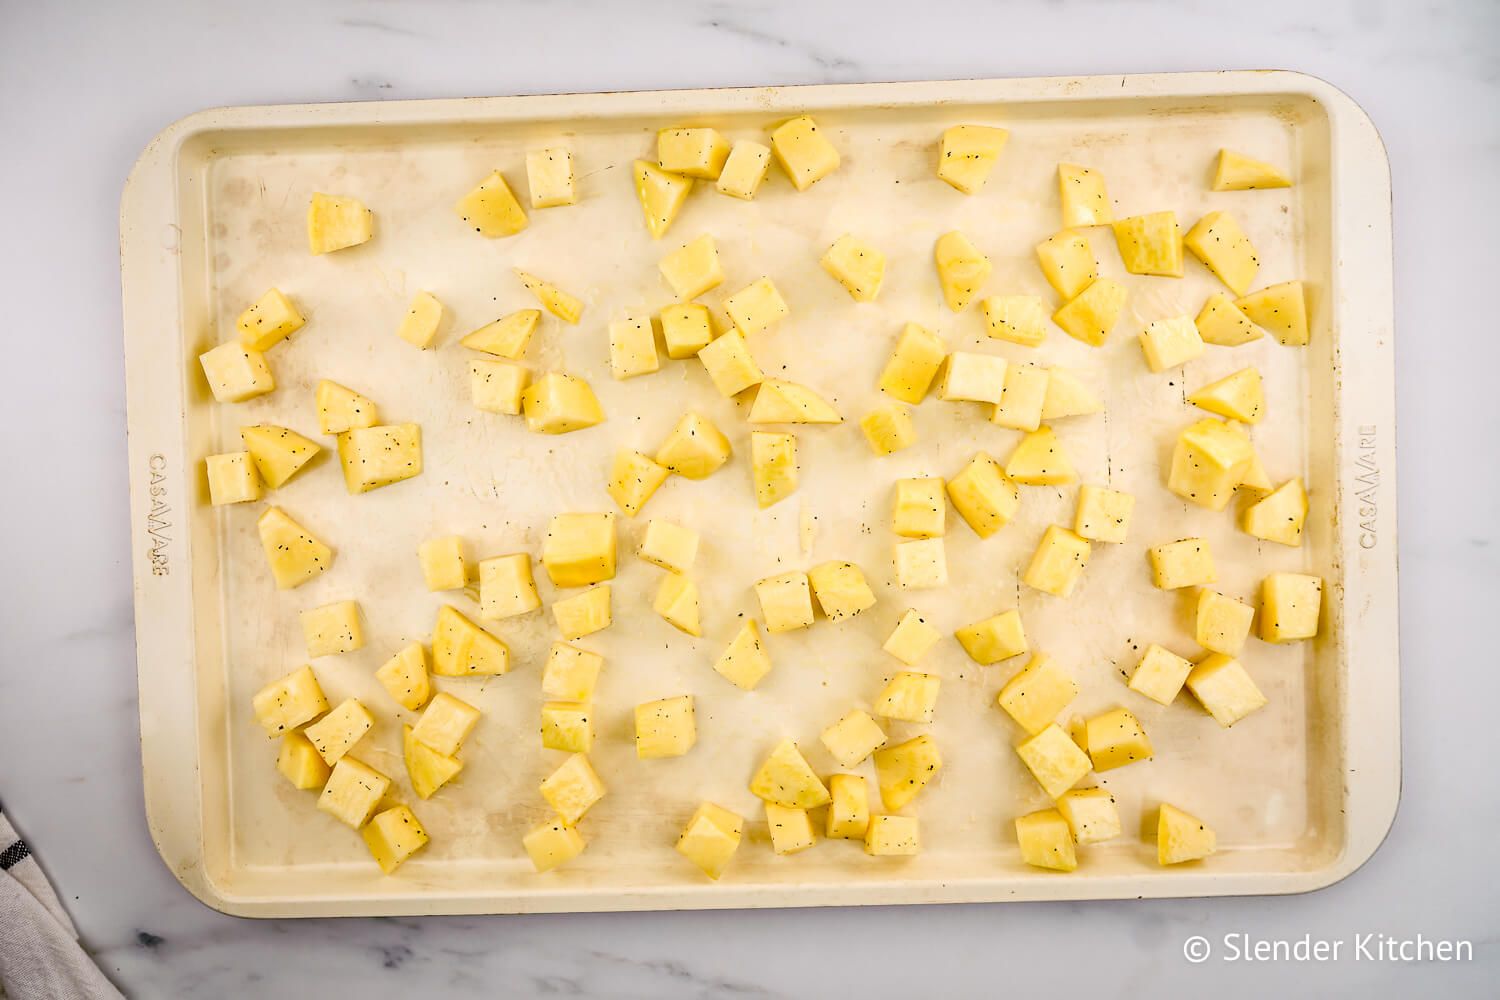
(573, 788)
(756, 307)
(1222, 624)
(1187, 562)
(1020, 405)
(506, 587)
(1254, 479)
(549, 176)
(693, 269)
(962, 269)
(803, 152)
(393, 836)
(743, 172)
(1222, 686)
(1103, 514)
(1038, 694)
(235, 373)
(710, 838)
(553, 299)
(373, 457)
(404, 677)
(692, 152)
(1091, 815)
(670, 546)
(1150, 244)
(278, 453)
(336, 733)
(570, 674)
(289, 703)
(579, 549)
(1280, 309)
(498, 386)
(914, 363)
(1068, 263)
(921, 564)
(785, 601)
(773, 465)
(911, 639)
(558, 403)
(919, 510)
(1238, 172)
(840, 589)
(661, 195)
(1067, 396)
(333, 628)
(1290, 605)
(294, 554)
(974, 378)
(856, 265)
(583, 614)
(426, 769)
(889, 428)
(1019, 319)
(686, 330)
(1054, 760)
(849, 810)
(1116, 739)
(552, 844)
(461, 648)
(1160, 675)
(445, 723)
(902, 771)
(1170, 343)
(1058, 562)
(996, 638)
(677, 602)
(300, 764)
(1210, 459)
(853, 738)
(1092, 314)
(1278, 516)
(340, 408)
(1238, 396)
(1182, 837)
(491, 209)
(353, 791)
(632, 347)
(270, 320)
(633, 478)
(443, 563)
(744, 661)
(1220, 322)
(1218, 241)
(419, 327)
(967, 153)
(909, 697)
(1084, 200)
(893, 836)
(786, 779)
(695, 449)
(507, 337)
(567, 726)
(232, 478)
(983, 496)
(337, 222)
(1046, 841)
(1039, 460)
(730, 365)
(791, 829)
(780, 402)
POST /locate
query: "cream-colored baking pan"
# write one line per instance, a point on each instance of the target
(1300, 793)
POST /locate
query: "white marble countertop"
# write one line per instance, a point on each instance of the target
(84, 91)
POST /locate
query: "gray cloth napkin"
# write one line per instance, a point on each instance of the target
(40, 957)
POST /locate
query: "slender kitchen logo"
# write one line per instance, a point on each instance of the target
(1367, 485)
(157, 513)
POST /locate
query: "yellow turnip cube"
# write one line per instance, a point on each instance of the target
(1210, 459)
(1279, 515)
(785, 601)
(791, 829)
(786, 779)
(893, 836)
(803, 152)
(853, 738)
(278, 453)
(1046, 841)
(1068, 263)
(1218, 241)
(919, 510)
(549, 176)
(1092, 313)
(491, 209)
(1187, 562)
(579, 549)
(340, 408)
(778, 401)
(983, 496)
(1222, 623)
(1150, 244)
(773, 464)
(677, 602)
(744, 661)
(1221, 322)
(336, 733)
(909, 697)
(404, 677)
(497, 386)
(961, 269)
(730, 365)
(558, 403)
(1116, 739)
(632, 347)
(1058, 561)
(294, 554)
(419, 326)
(232, 478)
(889, 429)
(1091, 814)
(756, 307)
(911, 639)
(506, 587)
(1039, 460)
(1182, 837)
(921, 563)
(443, 565)
(1019, 319)
(1103, 514)
(445, 723)
(1238, 172)
(556, 301)
(1170, 343)
(994, 639)
(848, 808)
(507, 337)
(353, 791)
(1084, 200)
(289, 703)
(1160, 675)
(462, 649)
(840, 589)
(710, 838)
(670, 546)
(969, 377)
(1067, 396)
(665, 728)
(692, 152)
(1222, 686)
(695, 449)
(573, 788)
(1035, 696)
(1238, 396)
(1054, 760)
(583, 614)
(268, 322)
(336, 222)
(570, 673)
(567, 726)
(1280, 309)
(744, 170)
(332, 628)
(914, 363)
(967, 153)
(1020, 405)
(633, 479)
(661, 195)
(300, 763)
(427, 769)
(373, 457)
(902, 771)
(1290, 605)
(856, 265)
(236, 373)
(685, 329)
(693, 269)
(551, 844)
(393, 836)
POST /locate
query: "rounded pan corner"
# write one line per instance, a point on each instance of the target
(1348, 861)
(1349, 110)
(161, 146)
